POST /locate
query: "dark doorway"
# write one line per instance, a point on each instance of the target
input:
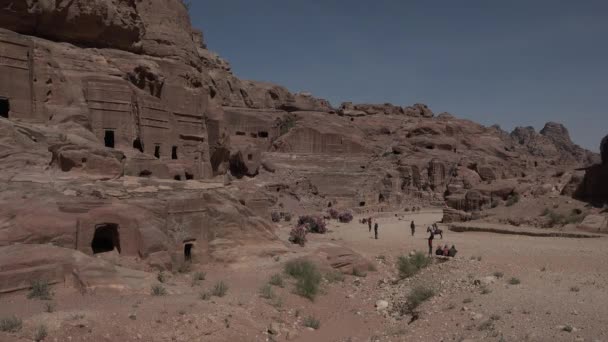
(157, 151)
(137, 145)
(188, 251)
(177, 177)
(174, 153)
(189, 176)
(381, 198)
(145, 173)
(5, 107)
(109, 138)
(263, 134)
(362, 204)
(106, 238)
(250, 156)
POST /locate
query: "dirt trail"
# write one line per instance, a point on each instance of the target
(563, 283)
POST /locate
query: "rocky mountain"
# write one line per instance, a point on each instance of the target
(120, 129)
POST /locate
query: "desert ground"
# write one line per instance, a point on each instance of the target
(561, 295)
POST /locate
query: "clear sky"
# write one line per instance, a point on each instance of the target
(506, 62)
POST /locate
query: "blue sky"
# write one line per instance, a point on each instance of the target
(512, 63)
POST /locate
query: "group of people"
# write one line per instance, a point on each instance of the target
(432, 230)
(369, 224)
(445, 251)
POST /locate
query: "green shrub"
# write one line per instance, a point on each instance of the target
(308, 278)
(40, 289)
(276, 280)
(10, 324)
(514, 281)
(485, 290)
(575, 289)
(266, 292)
(568, 328)
(498, 274)
(220, 289)
(158, 290)
(512, 200)
(204, 295)
(408, 266)
(41, 333)
(357, 272)
(419, 295)
(334, 277)
(312, 322)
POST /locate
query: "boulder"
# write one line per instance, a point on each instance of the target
(344, 259)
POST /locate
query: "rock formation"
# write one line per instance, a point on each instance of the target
(124, 133)
(594, 186)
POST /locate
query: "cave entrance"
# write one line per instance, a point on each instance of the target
(5, 107)
(106, 238)
(188, 251)
(189, 176)
(108, 138)
(263, 134)
(157, 151)
(174, 153)
(137, 145)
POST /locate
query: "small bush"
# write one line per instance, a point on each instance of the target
(467, 301)
(10, 324)
(298, 235)
(575, 289)
(514, 281)
(275, 216)
(568, 328)
(487, 325)
(161, 277)
(158, 290)
(495, 317)
(308, 278)
(41, 333)
(345, 217)
(220, 289)
(276, 280)
(266, 292)
(357, 272)
(333, 213)
(512, 200)
(419, 295)
(287, 217)
(334, 277)
(40, 289)
(49, 307)
(498, 274)
(313, 224)
(312, 322)
(485, 290)
(408, 266)
(575, 218)
(204, 295)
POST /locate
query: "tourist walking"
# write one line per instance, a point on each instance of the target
(413, 227)
(369, 224)
(431, 237)
(376, 230)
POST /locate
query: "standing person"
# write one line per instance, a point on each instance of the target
(413, 227)
(369, 224)
(431, 237)
(376, 230)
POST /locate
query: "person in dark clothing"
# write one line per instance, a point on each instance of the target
(452, 252)
(376, 230)
(369, 224)
(413, 228)
(431, 237)
(439, 251)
